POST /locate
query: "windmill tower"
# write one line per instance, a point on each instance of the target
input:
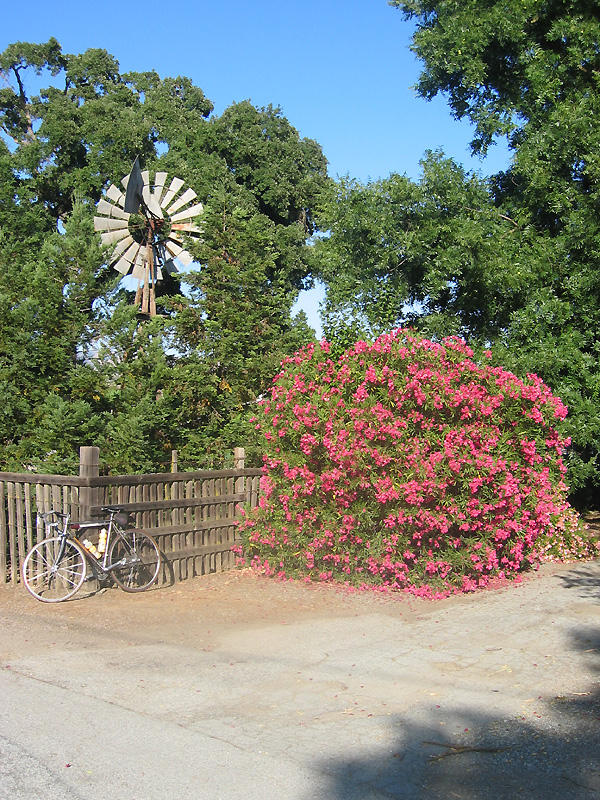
(146, 224)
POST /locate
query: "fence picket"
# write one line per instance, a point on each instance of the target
(12, 531)
(20, 526)
(28, 518)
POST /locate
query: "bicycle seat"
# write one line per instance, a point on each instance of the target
(112, 509)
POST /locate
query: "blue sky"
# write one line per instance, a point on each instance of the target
(340, 70)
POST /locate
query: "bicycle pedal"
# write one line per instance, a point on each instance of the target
(102, 579)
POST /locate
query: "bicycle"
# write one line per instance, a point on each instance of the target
(55, 568)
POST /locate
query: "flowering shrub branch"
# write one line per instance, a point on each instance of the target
(406, 465)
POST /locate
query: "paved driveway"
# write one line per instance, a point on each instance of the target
(230, 686)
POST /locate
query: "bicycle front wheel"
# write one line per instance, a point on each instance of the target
(140, 559)
(54, 569)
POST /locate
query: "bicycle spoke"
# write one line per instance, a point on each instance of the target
(140, 559)
(70, 576)
(54, 569)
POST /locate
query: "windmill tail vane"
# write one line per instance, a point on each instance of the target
(146, 224)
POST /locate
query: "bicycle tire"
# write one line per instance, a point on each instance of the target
(142, 557)
(51, 577)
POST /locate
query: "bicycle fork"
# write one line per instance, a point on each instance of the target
(57, 561)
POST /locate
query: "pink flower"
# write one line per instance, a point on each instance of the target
(427, 475)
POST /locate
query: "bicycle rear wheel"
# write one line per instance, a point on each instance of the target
(54, 569)
(141, 560)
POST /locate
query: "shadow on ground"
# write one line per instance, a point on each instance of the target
(585, 579)
(552, 755)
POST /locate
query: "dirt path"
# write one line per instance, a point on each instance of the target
(312, 692)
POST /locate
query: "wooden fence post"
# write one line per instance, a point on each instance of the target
(239, 460)
(239, 456)
(89, 467)
(173, 460)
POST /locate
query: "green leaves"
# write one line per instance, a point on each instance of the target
(514, 262)
(266, 155)
(504, 63)
(437, 253)
(69, 341)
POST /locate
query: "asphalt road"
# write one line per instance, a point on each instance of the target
(230, 687)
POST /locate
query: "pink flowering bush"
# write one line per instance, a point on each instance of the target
(406, 465)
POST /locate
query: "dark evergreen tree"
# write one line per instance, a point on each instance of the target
(76, 365)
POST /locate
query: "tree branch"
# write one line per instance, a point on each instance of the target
(24, 103)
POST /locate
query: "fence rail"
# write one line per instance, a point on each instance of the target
(192, 515)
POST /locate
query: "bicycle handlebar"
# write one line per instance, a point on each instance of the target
(45, 515)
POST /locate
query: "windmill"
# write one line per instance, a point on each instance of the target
(146, 224)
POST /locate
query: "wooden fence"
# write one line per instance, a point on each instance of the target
(192, 515)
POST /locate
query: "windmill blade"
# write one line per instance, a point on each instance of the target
(148, 197)
(186, 227)
(176, 237)
(138, 272)
(185, 198)
(175, 186)
(114, 236)
(115, 194)
(185, 258)
(124, 264)
(152, 205)
(108, 224)
(159, 185)
(121, 246)
(178, 252)
(104, 207)
(139, 265)
(189, 213)
(173, 247)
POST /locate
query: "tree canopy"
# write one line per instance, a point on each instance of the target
(76, 365)
(512, 262)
